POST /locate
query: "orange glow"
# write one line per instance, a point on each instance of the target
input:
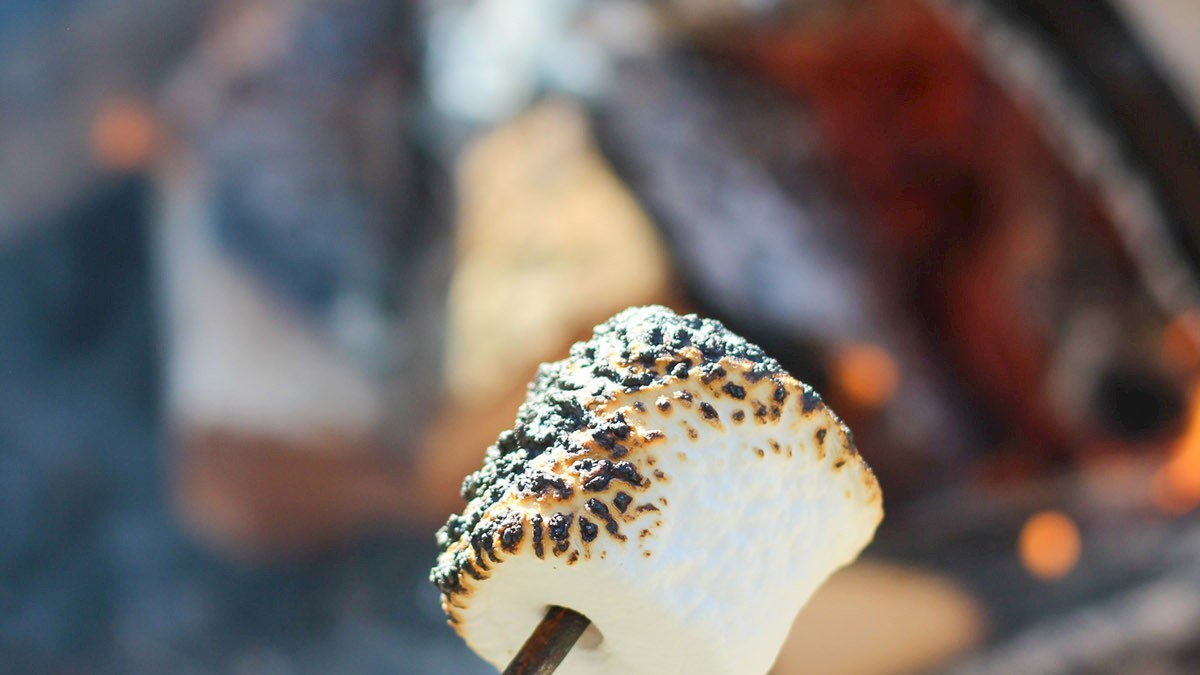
(124, 135)
(1176, 485)
(865, 374)
(1049, 545)
(1180, 341)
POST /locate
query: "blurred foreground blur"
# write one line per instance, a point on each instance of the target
(274, 273)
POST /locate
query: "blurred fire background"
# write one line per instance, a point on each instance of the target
(274, 273)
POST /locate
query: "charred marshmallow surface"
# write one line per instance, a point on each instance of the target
(672, 483)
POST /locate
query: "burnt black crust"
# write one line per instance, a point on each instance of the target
(621, 356)
(560, 531)
(538, 549)
(597, 474)
(587, 529)
(622, 501)
(600, 510)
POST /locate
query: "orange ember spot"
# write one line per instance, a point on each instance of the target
(1049, 545)
(865, 374)
(1176, 485)
(1181, 341)
(124, 135)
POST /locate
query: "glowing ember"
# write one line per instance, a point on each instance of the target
(1049, 545)
(1181, 341)
(1176, 486)
(865, 374)
(124, 135)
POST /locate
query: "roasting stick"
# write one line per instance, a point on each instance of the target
(549, 643)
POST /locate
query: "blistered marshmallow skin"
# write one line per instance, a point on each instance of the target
(673, 484)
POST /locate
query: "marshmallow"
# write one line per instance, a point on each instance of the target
(670, 482)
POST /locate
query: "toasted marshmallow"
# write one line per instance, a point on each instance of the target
(670, 482)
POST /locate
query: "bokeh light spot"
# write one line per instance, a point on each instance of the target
(1049, 545)
(865, 374)
(124, 135)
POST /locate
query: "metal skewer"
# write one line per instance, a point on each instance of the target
(549, 644)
